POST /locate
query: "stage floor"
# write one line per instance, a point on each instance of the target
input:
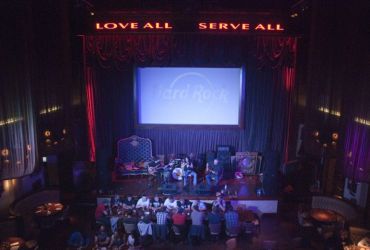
(239, 189)
(240, 192)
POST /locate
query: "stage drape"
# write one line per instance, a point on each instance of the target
(18, 144)
(269, 63)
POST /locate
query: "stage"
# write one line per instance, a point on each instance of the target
(240, 192)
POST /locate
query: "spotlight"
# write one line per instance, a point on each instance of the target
(92, 13)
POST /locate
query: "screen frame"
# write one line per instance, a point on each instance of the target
(241, 107)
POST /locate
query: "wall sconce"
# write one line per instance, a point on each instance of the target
(47, 133)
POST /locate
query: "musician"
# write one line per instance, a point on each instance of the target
(213, 171)
(189, 171)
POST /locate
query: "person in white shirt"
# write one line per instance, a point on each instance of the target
(170, 203)
(143, 202)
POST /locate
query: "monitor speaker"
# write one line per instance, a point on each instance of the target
(168, 189)
(203, 189)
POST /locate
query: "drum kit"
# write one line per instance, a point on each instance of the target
(175, 169)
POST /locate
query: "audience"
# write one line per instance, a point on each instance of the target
(161, 226)
(156, 203)
(128, 202)
(214, 217)
(170, 203)
(143, 202)
(231, 217)
(219, 203)
(102, 239)
(117, 241)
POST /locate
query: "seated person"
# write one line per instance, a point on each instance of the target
(189, 171)
(156, 203)
(102, 239)
(128, 202)
(184, 204)
(213, 172)
(170, 203)
(231, 217)
(116, 201)
(102, 210)
(219, 203)
(117, 241)
(214, 217)
(143, 202)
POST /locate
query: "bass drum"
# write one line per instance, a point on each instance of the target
(177, 174)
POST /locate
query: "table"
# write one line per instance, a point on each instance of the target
(49, 209)
(324, 215)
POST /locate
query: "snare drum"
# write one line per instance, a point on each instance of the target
(177, 174)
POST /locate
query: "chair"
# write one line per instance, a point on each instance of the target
(232, 231)
(130, 228)
(214, 230)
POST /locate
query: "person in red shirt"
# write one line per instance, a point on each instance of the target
(179, 218)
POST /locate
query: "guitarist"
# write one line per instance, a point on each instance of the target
(213, 171)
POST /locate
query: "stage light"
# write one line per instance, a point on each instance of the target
(92, 13)
(335, 136)
(44, 159)
(29, 147)
(5, 152)
(64, 131)
(47, 133)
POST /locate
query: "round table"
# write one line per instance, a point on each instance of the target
(48, 209)
(324, 215)
(12, 243)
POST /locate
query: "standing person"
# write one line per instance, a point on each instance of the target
(161, 226)
(219, 203)
(197, 227)
(213, 172)
(189, 171)
(231, 217)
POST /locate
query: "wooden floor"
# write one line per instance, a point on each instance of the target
(238, 189)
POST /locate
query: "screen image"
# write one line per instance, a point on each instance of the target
(189, 96)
